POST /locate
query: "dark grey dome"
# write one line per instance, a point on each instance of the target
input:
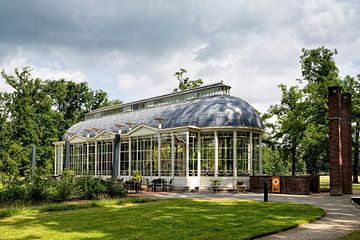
(214, 111)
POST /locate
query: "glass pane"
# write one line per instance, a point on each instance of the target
(165, 155)
(225, 153)
(180, 154)
(207, 154)
(193, 152)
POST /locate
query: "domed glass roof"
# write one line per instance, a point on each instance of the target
(214, 111)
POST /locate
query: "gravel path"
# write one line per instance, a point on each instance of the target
(341, 216)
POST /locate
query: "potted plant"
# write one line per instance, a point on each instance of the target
(215, 184)
(136, 176)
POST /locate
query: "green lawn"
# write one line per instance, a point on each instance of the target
(161, 219)
(325, 183)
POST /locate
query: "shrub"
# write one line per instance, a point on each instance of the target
(40, 190)
(114, 189)
(14, 193)
(37, 190)
(89, 188)
(63, 190)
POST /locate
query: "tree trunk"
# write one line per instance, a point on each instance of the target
(356, 154)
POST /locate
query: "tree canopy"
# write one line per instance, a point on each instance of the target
(184, 82)
(300, 131)
(39, 112)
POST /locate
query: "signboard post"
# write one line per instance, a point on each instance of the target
(275, 184)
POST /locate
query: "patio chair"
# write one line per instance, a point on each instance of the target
(169, 185)
(149, 185)
(139, 187)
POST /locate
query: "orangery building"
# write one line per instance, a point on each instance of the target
(191, 137)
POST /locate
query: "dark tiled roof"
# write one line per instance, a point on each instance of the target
(214, 111)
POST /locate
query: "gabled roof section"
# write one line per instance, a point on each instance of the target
(142, 130)
(103, 135)
(77, 138)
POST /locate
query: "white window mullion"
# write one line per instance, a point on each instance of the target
(87, 157)
(199, 159)
(159, 155)
(137, 154)
(235, 154)
(56, 160)
(172, 155)
(216, 163)
(119, 165)
(95, 158)
(250, 150)
(187, 152)
(130, 157)
(151, 155)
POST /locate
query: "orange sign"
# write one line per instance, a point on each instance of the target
(275, 184)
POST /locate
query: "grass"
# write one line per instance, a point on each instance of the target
(325, 183)
(161, 219)
(351, 236)
(8, 212)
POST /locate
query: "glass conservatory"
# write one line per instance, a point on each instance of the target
(192, 137)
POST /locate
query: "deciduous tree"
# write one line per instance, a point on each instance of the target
(184, 82)
(352, 85)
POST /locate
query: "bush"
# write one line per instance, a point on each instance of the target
(40, 190)
(37, 190)
(14, 193)
(63, 191)
(114, 189)
(89, 188)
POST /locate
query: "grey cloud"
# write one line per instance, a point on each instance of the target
(131, 48)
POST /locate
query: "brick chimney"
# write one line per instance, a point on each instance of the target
(346, 143)
(335, 160)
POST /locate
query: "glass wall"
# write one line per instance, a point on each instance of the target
(207, 146)
(92, 158)
(134, 155)
(243, 151)
(180, 154)
(104, 157)
(165, 155)
(193, 154)
(256, 153)
(155, 158)
(96, 157)
(142, 155)
(78, 154)
(225, 153)
(124, 157)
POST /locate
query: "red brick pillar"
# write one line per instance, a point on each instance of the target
(346, 144)
(334, 141)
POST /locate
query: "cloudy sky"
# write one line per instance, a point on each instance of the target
(131, 49)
